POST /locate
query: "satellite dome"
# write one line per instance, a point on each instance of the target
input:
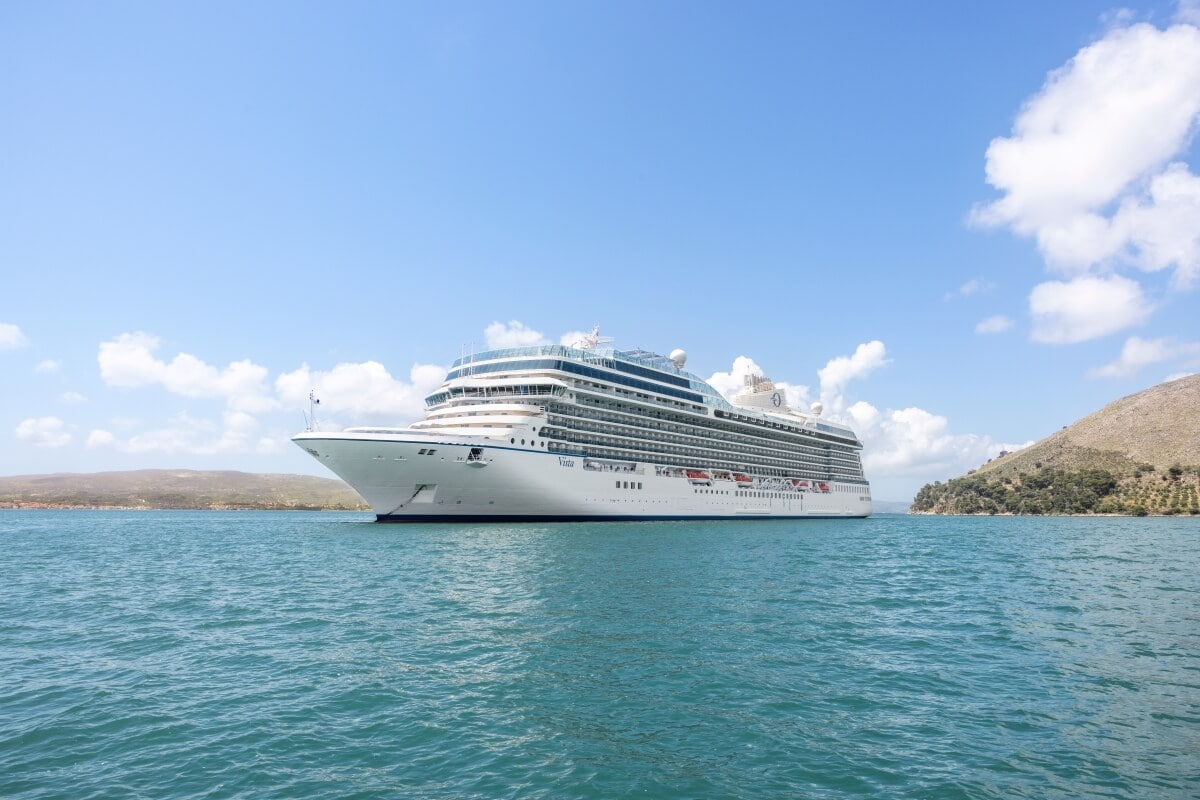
(678, 357)
(817, 408)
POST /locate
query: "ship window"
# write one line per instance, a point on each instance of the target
(421, 452)
(618, 484)
(512, 441)
(639, 484)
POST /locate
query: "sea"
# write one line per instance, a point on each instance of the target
(172, 654)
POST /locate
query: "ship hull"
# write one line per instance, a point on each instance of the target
(424, 478)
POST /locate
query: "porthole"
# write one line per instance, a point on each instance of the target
(512, 441)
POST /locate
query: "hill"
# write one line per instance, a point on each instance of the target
(178, 489)
(1137, 455)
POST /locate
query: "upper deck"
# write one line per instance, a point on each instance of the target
(634, 369)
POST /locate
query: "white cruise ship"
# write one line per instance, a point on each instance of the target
(588, 432)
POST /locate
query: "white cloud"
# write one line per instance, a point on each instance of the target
(1098, 136)
(732, 382)
(237, 432)
(514, 334)
(1188, 12)
(44, 432)
(1164, 225)
(11, 337)
(1174, 376)
(100, 438)
(72, 398)
(902, 448)
(48, 366)
(1138, 353)
(1085, 308)
(973, 286)
(573, 338)
(362, 393)
(129, 361)
(913, 442)
(996, 324)
(836, 374)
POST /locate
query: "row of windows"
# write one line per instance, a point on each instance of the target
(575, 369)
(700, 447)
(576, 446)
(629, 484)
(728, 431)
(643, 430)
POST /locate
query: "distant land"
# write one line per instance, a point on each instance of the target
(179, 489)
(1139, 455)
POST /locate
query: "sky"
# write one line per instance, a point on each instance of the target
(960, 227)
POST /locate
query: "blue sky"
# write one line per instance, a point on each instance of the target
(961, 228)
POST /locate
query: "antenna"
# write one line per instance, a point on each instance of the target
(313, 402)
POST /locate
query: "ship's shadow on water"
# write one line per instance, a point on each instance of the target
(178, 654)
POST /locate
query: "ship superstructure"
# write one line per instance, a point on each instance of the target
(589, 432)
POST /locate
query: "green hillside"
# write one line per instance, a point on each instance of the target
(1138, 455)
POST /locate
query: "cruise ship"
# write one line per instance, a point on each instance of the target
(588, 432)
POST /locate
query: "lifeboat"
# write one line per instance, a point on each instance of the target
(822, 487)
(743, 480)
(798, 485)
(699, 477)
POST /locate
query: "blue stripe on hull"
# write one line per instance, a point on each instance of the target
(396, 518)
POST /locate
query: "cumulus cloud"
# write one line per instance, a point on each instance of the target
(996, 324)
(11, 337)
(362, 393)
(916, 443)
(100, 438)
(732, 382)
(1095, 171)
(973, 286)
(1138, 353)
(129, 361)
(500, 335)
(44, 432)
(237, 432)
(1085, 308)
(836, 374)
(1164, 225)
(901, 446)
(72, 398)
(1099, 127)
(1188, 12)
(48, 367)
(573, 338)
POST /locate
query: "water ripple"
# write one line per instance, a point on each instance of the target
(212, 655)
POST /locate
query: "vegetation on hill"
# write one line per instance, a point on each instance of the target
(1135, 456)
(178, 489)
(1056, 491)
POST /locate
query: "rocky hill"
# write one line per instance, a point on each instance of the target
(1138, 455)
(178, 489)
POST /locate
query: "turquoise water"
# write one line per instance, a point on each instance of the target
(211, 654)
